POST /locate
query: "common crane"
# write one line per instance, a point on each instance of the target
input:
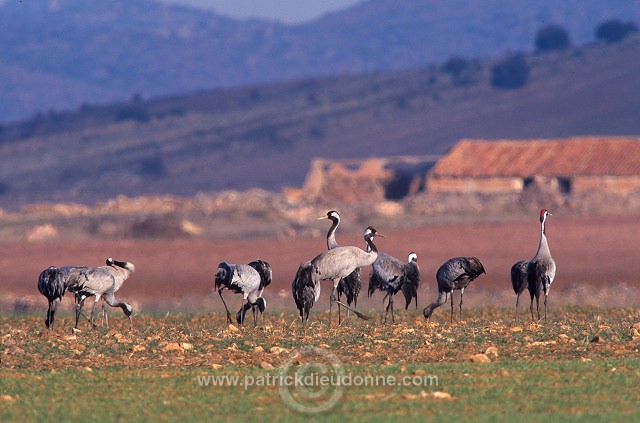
(102, 282)
(519, 280)
(53, 282)
(541, 269)
(390, 275)
(264, 269)
(244, 279)
(331, 265)
(350, 284)
(455, 273)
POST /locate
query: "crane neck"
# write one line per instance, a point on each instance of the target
(543, 246)
(331, 235)
(371, 247)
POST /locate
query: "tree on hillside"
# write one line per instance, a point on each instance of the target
(551, 37)
(613, 30)
(511, 73)
(461, 70)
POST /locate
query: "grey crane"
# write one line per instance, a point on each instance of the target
(266, 274)
(102, 282)
(390, 275)
(53, 282)
(305, 291)
(331, 265)
(519, 280)
(455, 273)
(350, 284)
(541, 269)
(243, 279)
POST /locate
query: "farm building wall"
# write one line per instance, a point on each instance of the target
(438, 185)
(611, 184)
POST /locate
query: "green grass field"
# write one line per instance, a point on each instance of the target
(581, 365)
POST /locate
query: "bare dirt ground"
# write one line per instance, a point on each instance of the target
(598, 262)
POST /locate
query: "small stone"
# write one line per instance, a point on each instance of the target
(492, 351)
(441, 395)
(172, 346)
(480, 358)
(7, 398)
(266, 366)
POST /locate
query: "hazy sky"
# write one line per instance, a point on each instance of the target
(287, 11)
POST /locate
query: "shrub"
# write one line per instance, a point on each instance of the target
(551, 37)
(511, 73)
(613, 30)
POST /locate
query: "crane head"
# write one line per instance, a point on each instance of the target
(543, 215)
(331, 215)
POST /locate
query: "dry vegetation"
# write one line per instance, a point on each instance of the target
(486, 365)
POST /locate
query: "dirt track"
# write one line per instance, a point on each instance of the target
(598, 261)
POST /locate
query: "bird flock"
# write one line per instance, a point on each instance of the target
(340, 265)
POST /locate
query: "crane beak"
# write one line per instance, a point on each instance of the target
(322, 217)
(380, 235)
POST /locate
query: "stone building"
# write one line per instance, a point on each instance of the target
(571, 166)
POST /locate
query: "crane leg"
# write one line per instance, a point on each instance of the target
(50, 314)
(105, 317)
(393, 318)
(255, 319)
(242, 312)
(517, 301)
(225, 306)
(538, 305)
(79, 304)
(386, 313)
(546, 295)
(333, 298)
(93, 311)
(451, 306)
(531, 308)
(461, 295)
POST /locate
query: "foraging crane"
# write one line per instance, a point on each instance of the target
(102, 282)
(519, 280)
(331, 265)
(264, 269)
(53, 282)
(350, 284)
(455, 273)
(390, 275)
(244, 279)
(541, 269)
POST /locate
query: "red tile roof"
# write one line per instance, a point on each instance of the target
(594, 156)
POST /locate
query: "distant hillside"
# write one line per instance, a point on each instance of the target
(58, 54)
(266, 135)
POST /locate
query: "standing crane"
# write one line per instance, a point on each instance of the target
(455, 273)
(243, 279)
(331, 265)
(53, 282)
(102, 282)
(541, 269)
(519, 280)
(390, 275)
(350, 284)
